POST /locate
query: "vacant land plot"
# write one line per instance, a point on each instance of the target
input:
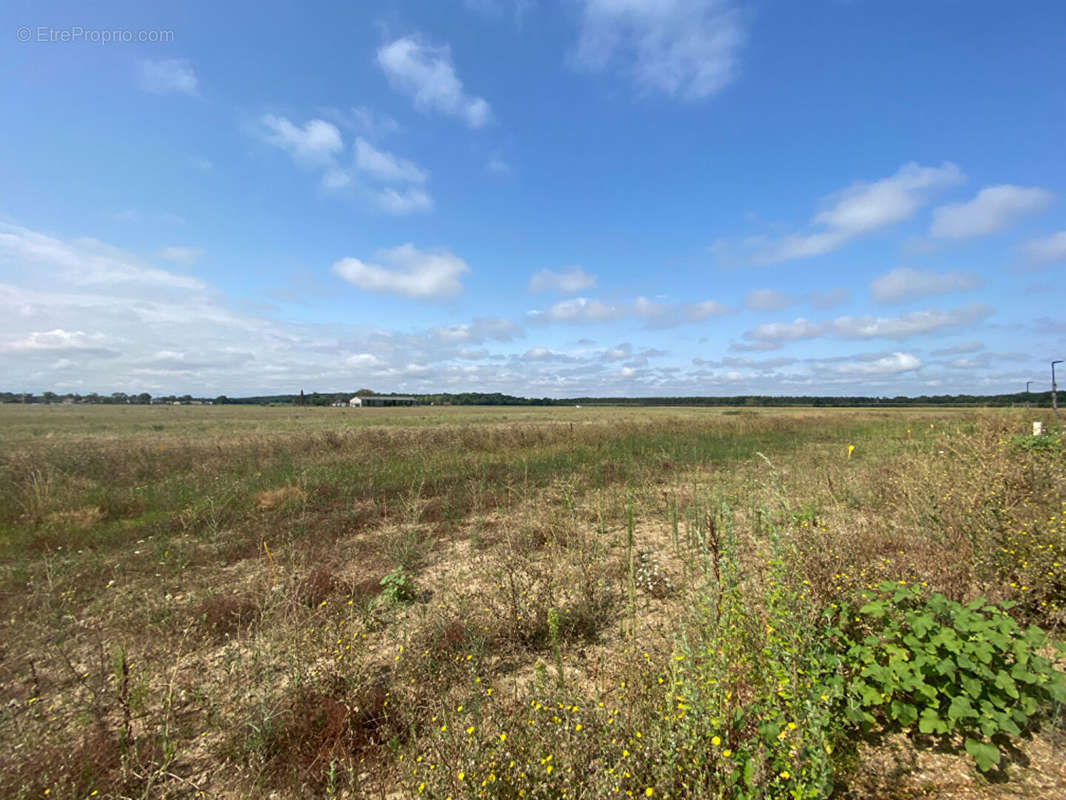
(529, 602)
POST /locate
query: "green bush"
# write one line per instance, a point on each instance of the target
(946, 669)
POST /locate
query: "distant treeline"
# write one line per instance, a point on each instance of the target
(1037, 399)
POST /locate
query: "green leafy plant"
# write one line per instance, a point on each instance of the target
(943, 668)
(398, 587)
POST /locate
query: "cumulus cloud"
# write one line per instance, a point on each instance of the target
(681, 48)
(568, 281)
(578, 310)
(991, 211)
(403, 201)
(885, 365)
(1046, 250)
(861, 209)
(777, 332)
(408, 271)
(660, 314)
(767, 300)
(425, 71)
(385, 166)
(704, 310)
(480, 330)
(316, 143)
(773, 335)
(907, 325)
(905, 284)
(168, 76)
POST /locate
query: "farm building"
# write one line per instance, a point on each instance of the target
(382, 400)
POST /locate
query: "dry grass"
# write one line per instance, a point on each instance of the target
(313, 602)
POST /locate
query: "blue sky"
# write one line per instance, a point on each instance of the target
(541, 197)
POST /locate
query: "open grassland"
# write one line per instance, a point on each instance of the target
(529, 602)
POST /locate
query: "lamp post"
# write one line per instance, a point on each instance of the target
(1027, 403)
(1054, 390)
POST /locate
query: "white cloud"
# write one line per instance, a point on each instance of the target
(669, 315)
(683, 48)
(571, 279)
(168, 76)
(991, 211)
(698, 312)
(407, 201)
(1048, 250)
(578, 310)
(886, 365)
(406, 270)
(86, 262)
(767, 300)
(906, 325)
(385, 166)
(905, 284)
(772, 335)
(861, 209)
(480, 330)
(426, 72)
(58, 341)
(316, 143)
(776, 332)
(619, 353)
(181, 255)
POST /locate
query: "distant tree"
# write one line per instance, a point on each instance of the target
(144, 398)
(221, 400)
(50, 397)
(365, 393)
(301, 401)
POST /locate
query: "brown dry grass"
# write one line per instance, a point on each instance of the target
(303, 673)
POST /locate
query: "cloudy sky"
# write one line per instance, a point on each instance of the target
(541, 197)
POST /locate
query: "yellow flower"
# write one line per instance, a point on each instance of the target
(462, 775)
(727, 753)
(503, 737)
(716, 740)
(649, 792)
(784, 774)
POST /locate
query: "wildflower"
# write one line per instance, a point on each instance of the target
(649, 792)
(785, 774)
(727, 753)
(716, 740)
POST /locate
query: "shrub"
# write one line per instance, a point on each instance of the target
(943, 668)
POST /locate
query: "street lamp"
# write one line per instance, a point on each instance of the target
(1054, 392)
(1027, 403)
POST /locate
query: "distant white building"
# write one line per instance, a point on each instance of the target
(382, 400)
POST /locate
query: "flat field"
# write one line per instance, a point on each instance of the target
(241, 601)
